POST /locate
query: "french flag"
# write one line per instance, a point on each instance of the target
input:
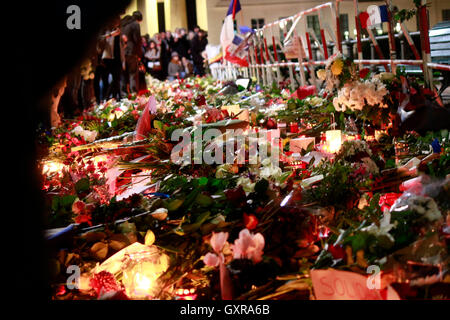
(227, 34)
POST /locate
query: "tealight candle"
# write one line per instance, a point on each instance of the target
(293, 127)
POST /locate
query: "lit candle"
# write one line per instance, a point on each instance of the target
(379, 134)
(334, 140)
(141, 272)
(293, 127)
(186, 294)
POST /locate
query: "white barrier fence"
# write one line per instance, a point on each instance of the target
(264, 63)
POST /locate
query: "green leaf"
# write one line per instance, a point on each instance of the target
(204, 200)
(284, 176)
(359, 241)
(203, 181)
(55, 203)
(194, 226)
(174, 204)
(158, 125)
(82, 185)
(67, 201)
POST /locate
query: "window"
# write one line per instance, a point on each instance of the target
(257, 23)
(313, 23)
(446, 15)
(343, 22)
(286, 28)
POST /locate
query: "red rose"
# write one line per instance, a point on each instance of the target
(81, 218)
(363, 72)
(337, 251)
(250, 221)
(78, 207)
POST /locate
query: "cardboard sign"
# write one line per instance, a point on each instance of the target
(232, 109)
(299, 144)
(332, 284)
(292, 49)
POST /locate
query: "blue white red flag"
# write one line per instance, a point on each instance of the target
(227, 34)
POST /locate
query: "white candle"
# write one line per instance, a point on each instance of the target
(334, 140)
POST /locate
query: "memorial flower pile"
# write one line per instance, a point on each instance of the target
(234, 193)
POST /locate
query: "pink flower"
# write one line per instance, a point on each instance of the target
(179, 112)
(248, 246)
(218, 240)
(211, 259)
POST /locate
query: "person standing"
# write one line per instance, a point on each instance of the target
(112, 56)
(181, 44)
(198, 45)
(133, 50)
(165, 55)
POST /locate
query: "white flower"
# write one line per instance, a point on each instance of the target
(223, 170)
(337, 105)
(87, 135)
(266, 162)
(246, 184)
(423, 205)
(90, 136)
(315, 101)
(352, 95)
(383, 229)
(269, 170)
(78, 130)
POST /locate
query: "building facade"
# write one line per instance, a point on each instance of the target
(162, 15)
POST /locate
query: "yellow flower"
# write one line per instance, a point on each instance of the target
(336, 67)
(321, 74)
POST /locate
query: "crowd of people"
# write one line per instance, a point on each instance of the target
(120, 61)
(125, 56)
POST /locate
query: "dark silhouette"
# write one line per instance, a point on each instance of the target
(57, 51)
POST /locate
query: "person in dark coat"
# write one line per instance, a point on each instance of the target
(133, 50)
(181, 44)
(198, 45)
(165, 55)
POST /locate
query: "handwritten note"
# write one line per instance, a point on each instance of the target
(332, 284)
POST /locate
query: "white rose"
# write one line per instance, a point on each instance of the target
(78, 130)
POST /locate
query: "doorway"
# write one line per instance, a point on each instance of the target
(161, 17)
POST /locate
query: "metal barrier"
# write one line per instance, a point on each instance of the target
(264, 64)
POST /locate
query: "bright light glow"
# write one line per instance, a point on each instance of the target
(141, 273)
(334, 140)
(143, 283)
(101, 158)
(52, 167)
